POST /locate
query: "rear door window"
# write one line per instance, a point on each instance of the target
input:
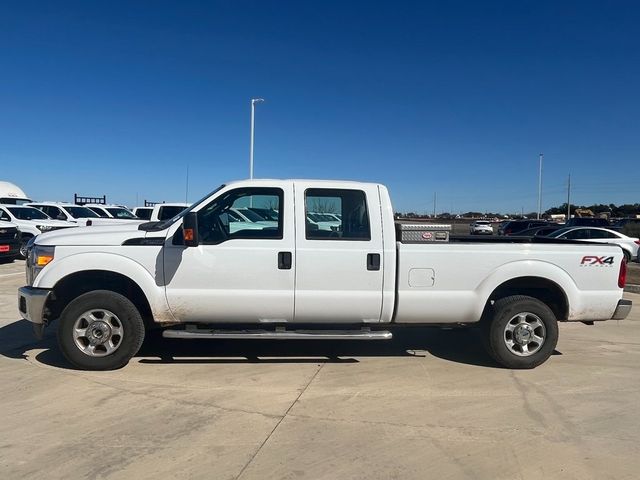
(350, 207)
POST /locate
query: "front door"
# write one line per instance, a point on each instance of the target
(241, 271)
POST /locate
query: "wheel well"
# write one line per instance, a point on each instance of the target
(542, 289)
(76, 284)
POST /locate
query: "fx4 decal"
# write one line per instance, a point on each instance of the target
(591, 260)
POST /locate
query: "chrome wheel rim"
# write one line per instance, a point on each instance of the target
(98, 332)
(524, 334)
(23, 249)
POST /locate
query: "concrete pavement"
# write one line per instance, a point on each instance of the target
(429, 404)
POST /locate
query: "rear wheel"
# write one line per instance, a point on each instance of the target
(522, 333)
(100, 330)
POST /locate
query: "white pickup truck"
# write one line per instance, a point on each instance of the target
(194, 277)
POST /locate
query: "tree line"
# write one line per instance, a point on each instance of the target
(612, 210)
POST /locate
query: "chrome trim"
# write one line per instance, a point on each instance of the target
(365, 334)
(622, 310)
(34, 300)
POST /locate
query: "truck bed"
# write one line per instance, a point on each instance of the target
(452, 282)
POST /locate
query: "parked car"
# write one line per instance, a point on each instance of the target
(248, 215)
(30, 221)
(10, 239)
(266, 213)
(481, 227)
(325, 221)
(112, 211)
(587, 222)
(623, 222)
(539, 231)
(514, 227)
(70, 212)
(143, 212)
(601, 235)
(195, 278)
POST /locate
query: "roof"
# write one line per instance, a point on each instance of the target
(320, 183)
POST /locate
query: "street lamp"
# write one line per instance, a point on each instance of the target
(253, 109)
(540, 187)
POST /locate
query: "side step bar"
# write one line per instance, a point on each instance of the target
(279, 334)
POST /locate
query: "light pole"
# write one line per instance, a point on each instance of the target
(540, 187)
(253, 109)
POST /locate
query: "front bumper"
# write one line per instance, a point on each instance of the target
(31, 302)
(622, 310)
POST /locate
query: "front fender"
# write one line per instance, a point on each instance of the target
(112, 262)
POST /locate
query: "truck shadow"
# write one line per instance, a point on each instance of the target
(455, 345)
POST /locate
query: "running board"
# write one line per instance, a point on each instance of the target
(195, 333)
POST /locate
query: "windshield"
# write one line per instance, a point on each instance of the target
(98, 211)
(14, 201)
(144, 213)
(323, 217)
(266, 213)
(80, 212)
(118, 212)
(559, 232)
(28, 213)
(252, 216)
(169, 211)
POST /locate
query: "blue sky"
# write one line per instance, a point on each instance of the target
(457, 98)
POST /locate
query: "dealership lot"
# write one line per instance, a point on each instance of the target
(428, 404)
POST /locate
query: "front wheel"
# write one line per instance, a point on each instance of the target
(100, 330)
(523, 332)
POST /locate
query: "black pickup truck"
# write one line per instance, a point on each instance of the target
(9, 243)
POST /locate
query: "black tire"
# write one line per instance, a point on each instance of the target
(505, 312)
(23, 247)
(127, 316)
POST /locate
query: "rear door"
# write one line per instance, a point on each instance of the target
(339, 270)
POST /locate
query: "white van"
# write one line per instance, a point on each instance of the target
(12, 194)
(30, 221)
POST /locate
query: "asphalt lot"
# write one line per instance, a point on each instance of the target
(428, 404)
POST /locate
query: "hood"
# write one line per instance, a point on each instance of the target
(93, 235)
(106, 221)
(51, 223)
(6, 225)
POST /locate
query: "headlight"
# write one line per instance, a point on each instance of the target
(38, 257)
(44, 228)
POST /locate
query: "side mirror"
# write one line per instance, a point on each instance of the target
(190, 229)
(61, 217)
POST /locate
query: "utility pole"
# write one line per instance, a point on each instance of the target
(540, 187)
(186, 189)
(569, 198)
(434, 204)
(253, 108)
